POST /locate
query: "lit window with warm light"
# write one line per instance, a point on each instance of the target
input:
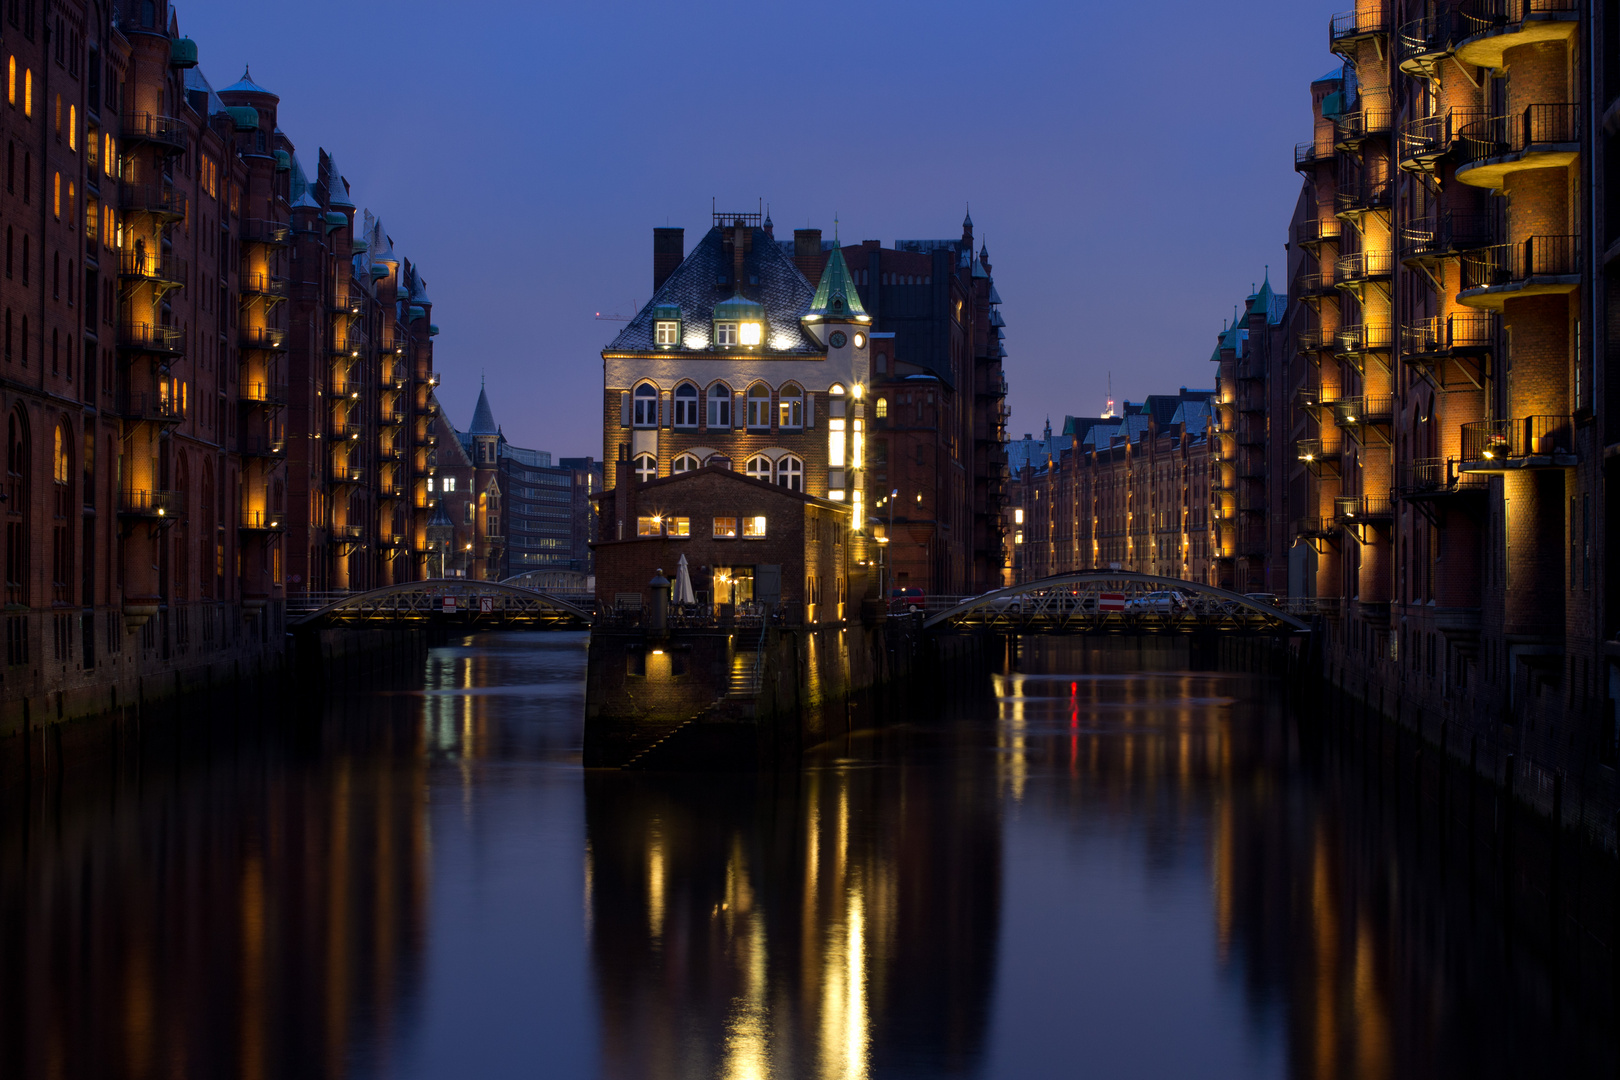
(648, 526)
(1018, 516)
(754, 527)
(750, 333)
(725, 528)
(667, 332)
(678, 527)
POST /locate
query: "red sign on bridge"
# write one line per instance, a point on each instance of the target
(1110, 601)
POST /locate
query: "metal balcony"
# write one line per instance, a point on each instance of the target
(262, 337)
(1358, 412)
(1319, 527)
(262, 521)
(164, 270)
(147, 338)
(347, 432)
(266, 394)
(1360, 267)
(150, 407)
(141, 503)
(351, 344)
(344, 534)
(348, 475)
(1308, 154)
(1363, 197)
(1541, 137)
(1317, 230)
(348, 304)
(1428, 478)
(1315, 285)
(261, 231)
(159, 201)
(1317, 339)
(265, 285)
(1359, 338)
(1536, 266)
(263, 446)
(1349, 27)
(1423, 44)
(164, 132)
(1445, 235)
(1489, 28)
(1443, 335)
(1528, 442)
(1372, 119)
(392, 417)
(1424, 142)
(391, 452)
(1363, 509)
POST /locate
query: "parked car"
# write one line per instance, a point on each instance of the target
(1004, 603)
(903, 600)
(1269, 599)
(1166, 602)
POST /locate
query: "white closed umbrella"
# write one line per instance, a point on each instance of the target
(683, 584)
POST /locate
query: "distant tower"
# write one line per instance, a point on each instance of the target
(488, 537)
(1108, 413)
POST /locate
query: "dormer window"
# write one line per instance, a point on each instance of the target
(666, 332)
(739, 321)
(750, 333)
(725, 333)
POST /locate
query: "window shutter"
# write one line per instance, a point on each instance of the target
(809, 409)
(624, 408)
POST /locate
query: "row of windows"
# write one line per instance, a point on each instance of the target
(680, 528)
(787, 471)
(790, 407)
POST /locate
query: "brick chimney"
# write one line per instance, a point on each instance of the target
(669, 248)
(807, 253)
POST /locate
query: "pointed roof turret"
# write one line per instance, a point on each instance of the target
(836, 297)
(302, 197)
(246, 85)
(483, 420)
(337, 192)
(967, 219)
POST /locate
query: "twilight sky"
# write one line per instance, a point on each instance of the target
(1129, 164)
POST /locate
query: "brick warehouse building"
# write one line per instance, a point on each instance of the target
(173, 280)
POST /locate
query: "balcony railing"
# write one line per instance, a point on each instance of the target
(1363, 509)
(1317, 339)
(162, 131)
(1494, 442)
(1482, 16)
(345, 533)
(1445, 234)
(1470, 331)
(150, 504)
(1424, 141)
(1358, 411)
(258, 393)
(1307, 154)
(348, 474)
(1314, 285)
(1314, 450)
(145, 337)
(392, 417)
(1422, 42)
(262, 337)
(1364, 337)
(263, 446)
(1347, 26)
(1361, 265)
(1316, 230)
(150, 406)
(1435, 476)
(347, 432)
(350, 344)
(264, 285)
(1316, 526)
(153, 266)
(1551, 126)
(1362, 196)
(154, 199)
(1516, 264)
(347, 304)
(262, 521)
(391, 452)
(1374, 117)
(262, 231)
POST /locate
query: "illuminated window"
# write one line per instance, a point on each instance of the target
(11, 80)
(1018, 537)
(759, 407)
(666, 332)
(719, 406)
(754, 527)
(449, 483)
(686, 406)
(28, 92)
(725, 528)
(679, 527)
(725, 333)
(56, 195)
(646, 468)
(790, 473)
(73, 128)
(1018, 516)
(646, 415)
(685, 463)
(790, 407)
(835, 429)
(750, 333)
(759, 468)
(649, 526)
(881, 408)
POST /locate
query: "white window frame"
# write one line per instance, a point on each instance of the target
(755, 522)
(759, 408)
(759, 468)
(725, 333)
(719, 407)
(790, 407)
(645, 467)
(790, 472)
(685, 463)
(667, 332)
(644, 406)
(686, 406)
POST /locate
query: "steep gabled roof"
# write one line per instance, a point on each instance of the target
(703, 280)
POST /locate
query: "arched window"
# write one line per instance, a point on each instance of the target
(646, 399)
(719, 406)
(790, 407)
(759, 468)
(790, 472)
(686, 406)
(759, 407)
(685, 463)
(881, 409)
(646, 468)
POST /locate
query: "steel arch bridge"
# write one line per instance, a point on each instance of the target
(486, 605)
(1117, 602)
(549, 581)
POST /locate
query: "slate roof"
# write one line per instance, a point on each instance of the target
(1036, 452)
(835, 294)
(483, 420)
(704, 279)
(246, 85)
(197, 81)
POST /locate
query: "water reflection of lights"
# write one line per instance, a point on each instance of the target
(655, 881)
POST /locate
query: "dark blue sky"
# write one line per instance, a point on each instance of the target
(1128, 163)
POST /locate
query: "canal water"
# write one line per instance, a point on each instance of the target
(1085, 870)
